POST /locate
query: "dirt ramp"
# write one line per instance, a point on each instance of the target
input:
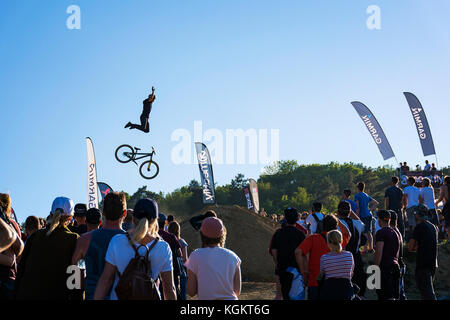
(248, 235)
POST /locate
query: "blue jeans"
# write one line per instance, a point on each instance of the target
(183, 285)
(402, 283)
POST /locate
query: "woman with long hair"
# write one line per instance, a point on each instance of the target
(175, 229)
(214, 273)
(42, 272)
(427, 198)
(120, 252)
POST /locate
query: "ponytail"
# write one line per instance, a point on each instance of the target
(144, 227)
(56, 220)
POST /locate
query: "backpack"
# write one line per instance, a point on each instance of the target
(352, 245)
(136, 282)
(319, 228)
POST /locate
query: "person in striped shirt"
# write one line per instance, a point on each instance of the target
(336, 268)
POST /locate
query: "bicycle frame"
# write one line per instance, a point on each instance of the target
(133, 156)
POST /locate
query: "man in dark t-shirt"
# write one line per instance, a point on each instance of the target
(393, 201)
(147, 108)
(424, 240)
(284, 243)
(386, 257)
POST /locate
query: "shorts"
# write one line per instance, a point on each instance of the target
(367, 224)
(411, 217)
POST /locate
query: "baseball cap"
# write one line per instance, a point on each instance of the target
(162, 218)
(291, 215)
(93, 216)
(146, 208)
(80, 210)
(212, 228)
(65, 204)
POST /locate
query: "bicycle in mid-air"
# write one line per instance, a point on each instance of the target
(148, 169)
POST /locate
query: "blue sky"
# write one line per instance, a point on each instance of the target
(291, 65)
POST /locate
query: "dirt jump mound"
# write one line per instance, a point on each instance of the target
(248, 235)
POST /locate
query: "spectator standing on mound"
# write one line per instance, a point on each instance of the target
(214, 273)
(393, 201)
(42, 272)
(10, 256)
(346, 197)
(386, 257)
(401, 262)
(350, 222)
(124, 247)
(284, 243)
(337, 268)
(175, 229)
(92, 246)
(315, 217)
(424, 240)
(410, 202)
(427, 198)
(365, 204)
(314, 246)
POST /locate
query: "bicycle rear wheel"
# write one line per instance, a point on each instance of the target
(124, 153)
(149, 169)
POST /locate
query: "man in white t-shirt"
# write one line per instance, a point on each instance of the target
(411, 196)
(313, 219)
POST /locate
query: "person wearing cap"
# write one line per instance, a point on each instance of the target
(92, 246)
(214, 272)
(10, 256)
(387, 246)
(424, 241)
(393, 224)
(79, 224)
(42, 272)
(120, 252)
(284, 243)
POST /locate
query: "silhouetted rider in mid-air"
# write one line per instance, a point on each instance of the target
(144, 126)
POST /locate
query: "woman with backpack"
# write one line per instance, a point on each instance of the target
(214, 273)
(129, 254)
(337, 269)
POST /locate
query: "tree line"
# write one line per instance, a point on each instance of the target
(282, 184)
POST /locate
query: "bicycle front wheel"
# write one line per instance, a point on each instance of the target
(124, 153)
(149, 169)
